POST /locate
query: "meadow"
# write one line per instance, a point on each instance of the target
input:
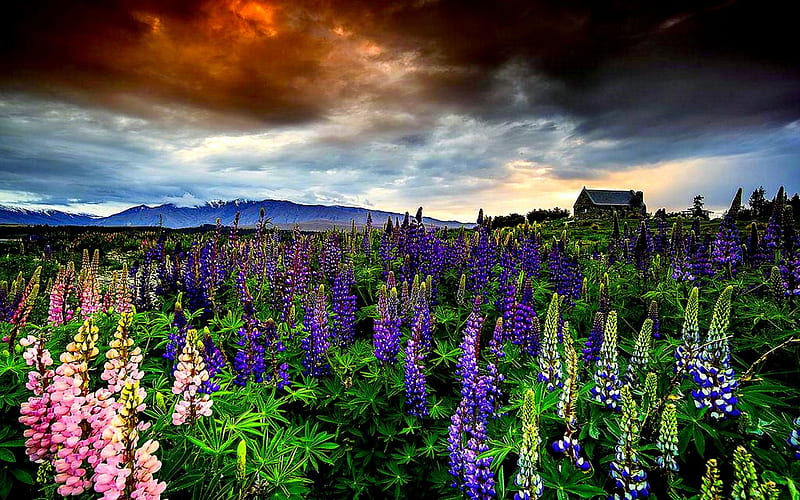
(590, 358)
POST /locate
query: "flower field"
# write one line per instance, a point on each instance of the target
(571, 359)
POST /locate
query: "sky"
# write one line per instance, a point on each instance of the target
(449, 105)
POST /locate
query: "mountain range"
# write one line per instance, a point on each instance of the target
(281, 213)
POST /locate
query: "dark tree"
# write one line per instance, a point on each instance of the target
(697, 207)
(757, 202)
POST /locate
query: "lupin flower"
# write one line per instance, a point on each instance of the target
(794, 439)
(467, 437)
(745, 480)
(569, 444)
(214, 360)
(274, 346)
(126, 471)
(317, 340)
(687, 352)
(37, 413)
(606, 377)
(122, 358)
(462, 290)
(90, 298)
(626, 468)
(652, 314)
(386, 338)
(712, 372)
(59, 311)
(177, 338)
(421, 326)
(594, 342)
(641, 354)
(343, 305)
(524, 329)
(24, 304)
(80, 416)
(527, 478)
(549, 362)
(249, 360)
(416, 390)
(668, 440)
(190, 375)
(565, 270)
(727, 247)
(711, 488)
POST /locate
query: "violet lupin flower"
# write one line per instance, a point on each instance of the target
(214, 360)
(727, 247)
(386, 338)
(273, 347)
(467, 432)
(565, 271)
(343, 305)
(525, 326)
(416, 390)
(249, 360)
(190, 375)
(652, 315)
(549, 359)
(177, 337)
(678, 257)
(594, 342)
(642, 249)
(773, 235)
(317, 340)
(712, 372)
(606, 376)
(421, 326)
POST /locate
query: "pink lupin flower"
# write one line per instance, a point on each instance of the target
(122, 358)
(79, 416)
(59, 311)
(122, 292)
(36, 413)
(25, 305)
(190, 373)
(125, 471)
(90, 298)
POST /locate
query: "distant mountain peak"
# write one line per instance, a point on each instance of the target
(281, 213)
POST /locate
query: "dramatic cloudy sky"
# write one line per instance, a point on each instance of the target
(449, 104)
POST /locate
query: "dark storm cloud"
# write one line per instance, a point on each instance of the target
(620, 68)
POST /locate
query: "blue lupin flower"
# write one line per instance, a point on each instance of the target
(713, 374)
(794, 439)
(606, 375)
(626, 468)
(549, 359)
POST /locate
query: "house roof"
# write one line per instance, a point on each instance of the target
(610, 197)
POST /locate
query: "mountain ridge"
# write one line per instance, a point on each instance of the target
(281, 213)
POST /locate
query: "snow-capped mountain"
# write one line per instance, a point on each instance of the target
(281, 213)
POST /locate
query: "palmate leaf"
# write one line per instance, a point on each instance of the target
(314, 445)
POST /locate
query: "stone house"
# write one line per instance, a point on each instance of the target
(602, 202)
